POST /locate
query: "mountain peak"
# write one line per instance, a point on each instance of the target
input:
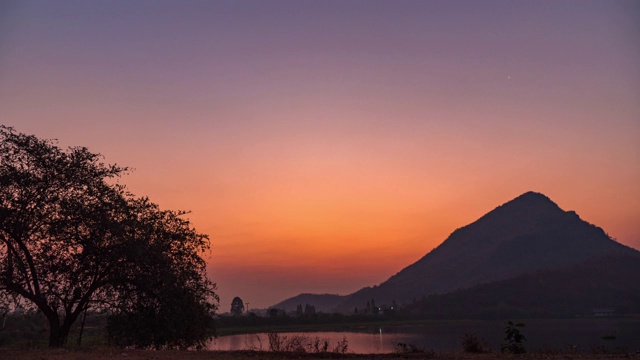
(532, 198)
(527, 207)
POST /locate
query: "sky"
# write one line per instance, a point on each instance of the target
(326, 145)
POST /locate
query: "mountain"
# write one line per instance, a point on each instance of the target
(526, 234)
(604, 282)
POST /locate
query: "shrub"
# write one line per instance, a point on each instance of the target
(471, 343)
(342, 346)
(514, 338)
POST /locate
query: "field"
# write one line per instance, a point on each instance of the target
(113, 354)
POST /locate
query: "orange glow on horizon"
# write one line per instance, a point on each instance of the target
(325, 146)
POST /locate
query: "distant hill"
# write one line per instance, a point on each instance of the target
(604, 282)
(526, 234)
(323, 303)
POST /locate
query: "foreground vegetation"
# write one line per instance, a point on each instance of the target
(29, 342)
(29, 329)
(73, 240)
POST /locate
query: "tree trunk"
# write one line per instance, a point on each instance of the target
(57, 334)
(4, 321)
(54, 336)
(84, 317)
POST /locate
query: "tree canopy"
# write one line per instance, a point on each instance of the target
(237, 306)
(72, 237)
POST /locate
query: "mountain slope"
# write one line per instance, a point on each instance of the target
(603, 282)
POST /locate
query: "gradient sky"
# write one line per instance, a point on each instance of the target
(325, 145)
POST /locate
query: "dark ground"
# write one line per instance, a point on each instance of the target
(113, 354)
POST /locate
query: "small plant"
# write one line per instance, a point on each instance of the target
(252, 346)
(283, 343)
(471, 343)
(514, 338)
(276, 342)
(342, 346)
(320, 345)
(301, 343)
(402, 348)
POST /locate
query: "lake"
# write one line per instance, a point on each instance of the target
(587, 334)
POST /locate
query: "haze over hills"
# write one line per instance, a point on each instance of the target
(526, 234)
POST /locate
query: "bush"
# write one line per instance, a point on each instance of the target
(404, 349)
(471, 343)
(514, 339)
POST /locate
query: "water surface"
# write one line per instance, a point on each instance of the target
(587, 335)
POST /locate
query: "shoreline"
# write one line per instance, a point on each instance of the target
(396, 323)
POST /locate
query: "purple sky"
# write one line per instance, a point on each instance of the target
(325, 145)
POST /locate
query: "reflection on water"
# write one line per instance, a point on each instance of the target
(583, 334)
(359, 342)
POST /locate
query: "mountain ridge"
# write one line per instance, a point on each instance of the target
(525, 234)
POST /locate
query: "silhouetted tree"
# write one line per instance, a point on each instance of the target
(172, 304)
(374, 309)
(237, 306)
(309, 310)
(299, 311)
(72, 238)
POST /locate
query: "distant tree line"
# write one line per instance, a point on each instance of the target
(309, 310)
